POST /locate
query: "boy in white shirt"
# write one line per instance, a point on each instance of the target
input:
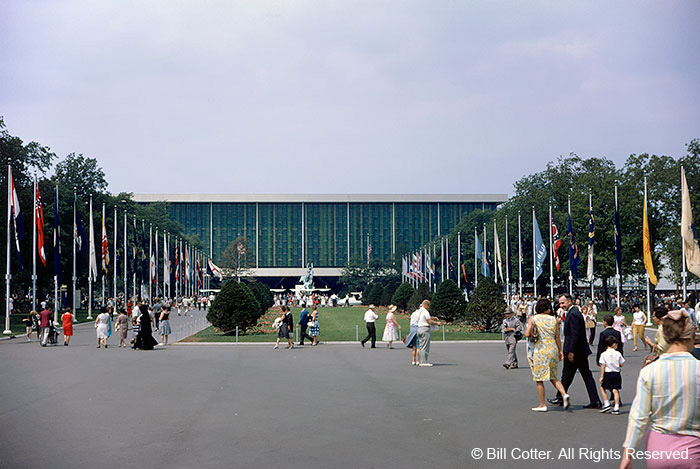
(610, 378)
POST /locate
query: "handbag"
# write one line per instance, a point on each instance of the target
(590, 323)
(534, 332)
(518, 335)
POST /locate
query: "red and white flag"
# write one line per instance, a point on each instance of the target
(39, 216)
(556, 241)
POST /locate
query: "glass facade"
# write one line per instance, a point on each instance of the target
(291, 234)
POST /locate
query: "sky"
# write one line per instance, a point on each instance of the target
(248, 97)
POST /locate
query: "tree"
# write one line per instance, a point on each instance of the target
(486, 306)
(262, 294)
(448, 302)
(402, 295)
(375, 293)
(357, 275)
(235, 305)
(235, 259)
(422, 293)
(390, 287)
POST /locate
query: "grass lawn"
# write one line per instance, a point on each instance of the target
(339, 324)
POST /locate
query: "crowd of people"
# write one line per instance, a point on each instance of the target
(668, 386)
(117, 318)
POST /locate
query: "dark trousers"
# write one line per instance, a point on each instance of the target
(371, 334)
(303, 335)
(567, 376)
(590, 341)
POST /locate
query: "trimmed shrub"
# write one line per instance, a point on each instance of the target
(374, 294)
(486, 306)
(262, 293)
(235, 305)
(422, 293)
(448, 303)
(402, 296)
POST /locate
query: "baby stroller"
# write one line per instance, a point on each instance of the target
(49, 335)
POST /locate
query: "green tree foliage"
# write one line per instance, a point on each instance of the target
(486, 306)
(357, 275)
(390, 287)
(402, 296)
(235, 305)
(263, 294)
(373, 294)
(448, 302)
(236, 258)
(422, 293)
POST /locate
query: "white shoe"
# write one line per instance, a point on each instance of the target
(413, 363)
(426, 364)
(567, 401)
(539, 409)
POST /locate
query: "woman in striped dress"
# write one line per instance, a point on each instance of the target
(314, 330)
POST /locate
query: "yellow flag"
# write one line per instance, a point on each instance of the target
(646, 244)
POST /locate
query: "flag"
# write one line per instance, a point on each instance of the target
(134, 252)
(153, 269)
(591, 238)
(688, 232)
(646, 243)
(92, 271)
(105, 246)
(177, 263)
(540, 249)
(573, 252)
(464, 274)
(497, 252)
(556, 244)
(369, 249)
(39, 216)
(480, 255)
(56, 241)
(215, 271)
(144, 257)
(487, 256)
(78, 232)
(16, 217)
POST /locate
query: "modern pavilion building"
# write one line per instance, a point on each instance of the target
(286, 232)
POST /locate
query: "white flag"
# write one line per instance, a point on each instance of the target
(92, 273)
(497, 248)
(689, 233)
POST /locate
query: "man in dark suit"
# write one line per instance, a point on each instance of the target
(607, 332)
(576, 352)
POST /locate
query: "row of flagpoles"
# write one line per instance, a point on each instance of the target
(184, 265)
(419, 266)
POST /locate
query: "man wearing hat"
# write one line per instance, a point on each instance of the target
(370, 318)
(510, 327)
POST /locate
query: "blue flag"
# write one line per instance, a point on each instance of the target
(480, 254)
(540, 249)
(573, 253)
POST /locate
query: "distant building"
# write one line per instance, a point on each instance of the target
(285, 232)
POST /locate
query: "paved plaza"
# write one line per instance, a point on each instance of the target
(335, 405)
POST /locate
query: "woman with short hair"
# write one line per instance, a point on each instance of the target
(666, 403)
(315, 328)
(547, 351)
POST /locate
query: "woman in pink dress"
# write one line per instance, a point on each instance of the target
(619, 324)
(390, 330)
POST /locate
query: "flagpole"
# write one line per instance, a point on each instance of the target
(508, 261)
(8, 276)
(459, 262)
(571, 277)
(486, 250)
(520, 258)
(150, 261)
(476, 271)
(115, 260)
(104, 259)
(551, 253)
(495, 254)
(442, 259)
(125, 261)
(647, 272)
(91, 241)
(165, 259)
(75, 232)
(534, 257)
(447, 255)
(590, 246)
(684, 272)
(133, 283)
(57, 239)
(34, 249)
(618, 267)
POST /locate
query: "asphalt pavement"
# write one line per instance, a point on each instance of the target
(333, 405)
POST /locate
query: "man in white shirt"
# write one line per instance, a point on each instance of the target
(424, 323)
(370, 318)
